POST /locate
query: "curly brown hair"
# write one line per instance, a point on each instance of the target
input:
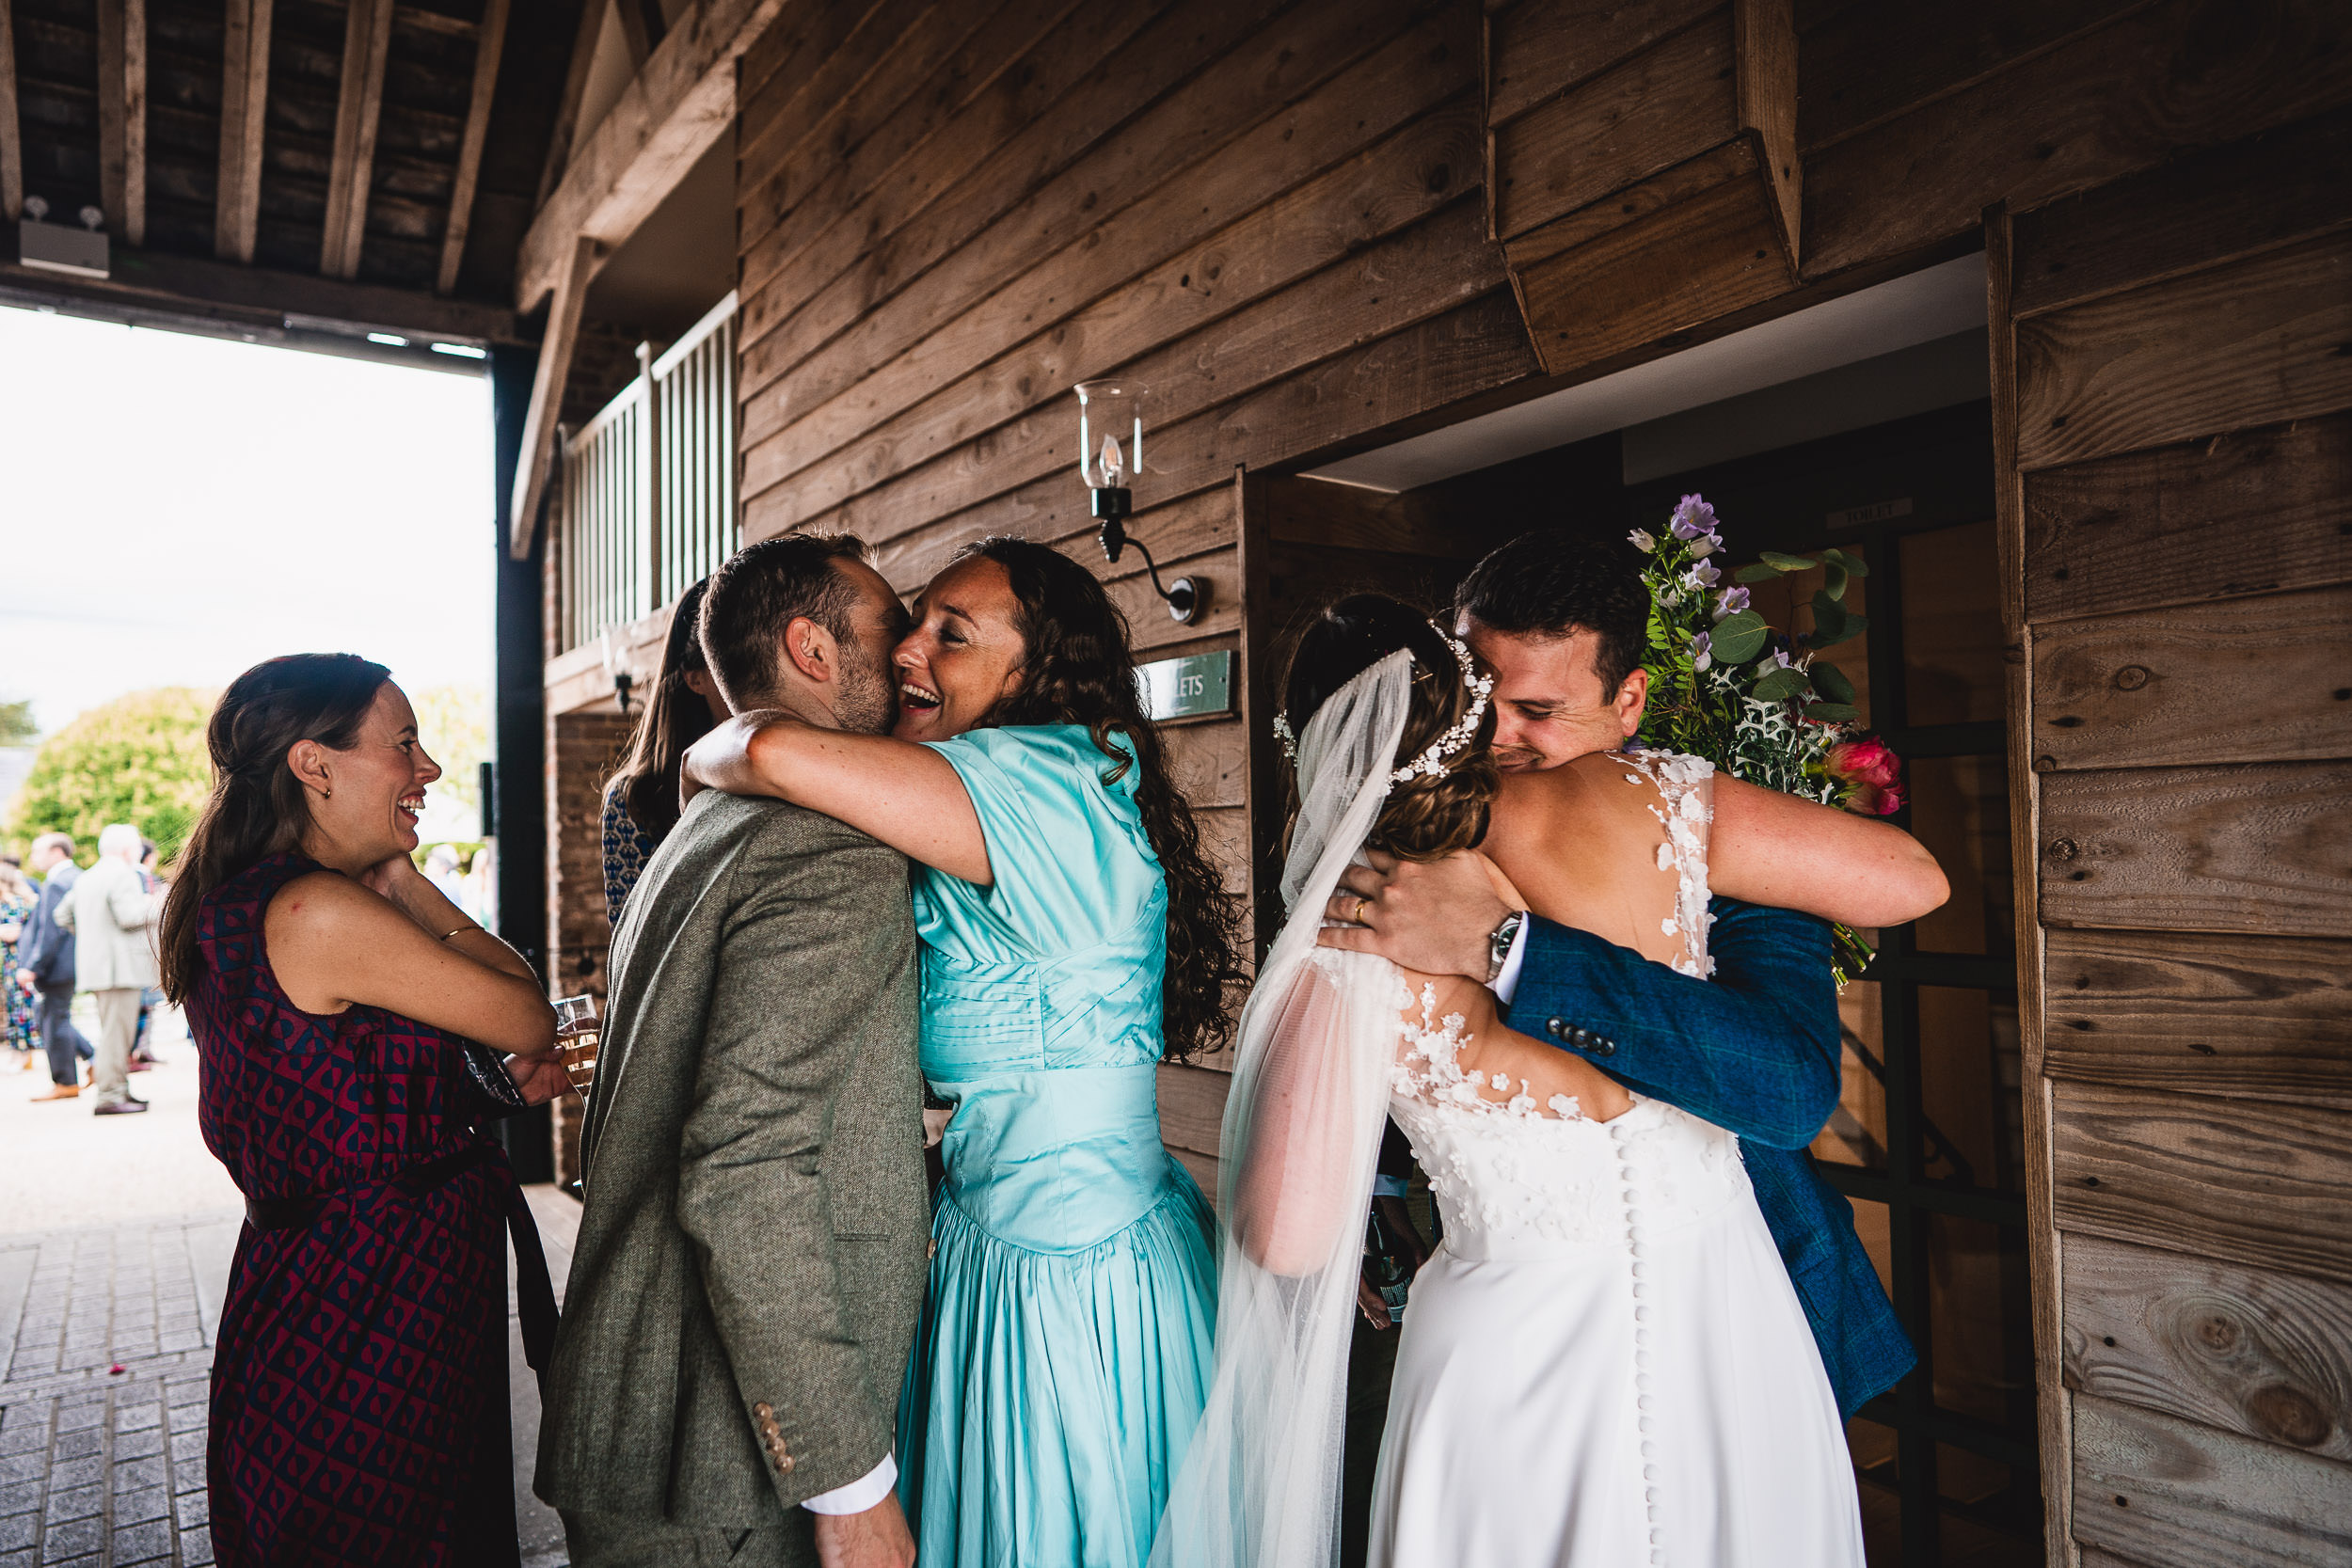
(1078, 668)
(1424, 818)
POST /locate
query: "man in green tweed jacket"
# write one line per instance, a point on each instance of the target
(752, 1248)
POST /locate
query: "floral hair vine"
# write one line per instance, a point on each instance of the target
(1432, 761)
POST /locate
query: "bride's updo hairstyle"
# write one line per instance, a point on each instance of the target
(1424, 818)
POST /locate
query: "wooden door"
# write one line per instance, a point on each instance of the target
(2172, 366)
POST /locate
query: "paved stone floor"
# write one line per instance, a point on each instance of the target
(116, 1236)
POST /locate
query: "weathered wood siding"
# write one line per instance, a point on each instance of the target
(2170, 386)
(950, 213)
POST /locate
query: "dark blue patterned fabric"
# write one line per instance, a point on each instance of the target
(626, 848)
(1755, 1050)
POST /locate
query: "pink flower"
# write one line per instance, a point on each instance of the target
(1871, 775)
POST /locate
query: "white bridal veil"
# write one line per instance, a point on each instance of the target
(1260, 1487)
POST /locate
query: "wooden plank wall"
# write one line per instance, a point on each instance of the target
(2173, 400)
(950, 213)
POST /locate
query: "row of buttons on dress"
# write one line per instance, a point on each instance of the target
(1634, 1233)
(1583, 1039)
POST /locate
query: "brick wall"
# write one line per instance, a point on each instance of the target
(582, 749)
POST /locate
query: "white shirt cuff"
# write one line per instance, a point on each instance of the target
(1507, 979)
(861, 1493)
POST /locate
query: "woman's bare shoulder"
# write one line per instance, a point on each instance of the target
(323, 903)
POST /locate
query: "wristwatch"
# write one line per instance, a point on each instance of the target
(1499, 944)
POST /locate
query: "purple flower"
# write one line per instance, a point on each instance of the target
(1731, 601)
(1700, 658)
(1695, 519)
(1701, 575)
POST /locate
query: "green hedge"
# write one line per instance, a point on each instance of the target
(139, 759)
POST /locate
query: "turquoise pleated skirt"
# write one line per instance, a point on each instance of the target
(1051, 1394)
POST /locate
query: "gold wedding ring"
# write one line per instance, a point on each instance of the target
(1361, 904)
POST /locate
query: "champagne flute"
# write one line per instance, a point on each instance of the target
(577, 1031)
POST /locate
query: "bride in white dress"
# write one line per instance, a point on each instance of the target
(1605, 1364)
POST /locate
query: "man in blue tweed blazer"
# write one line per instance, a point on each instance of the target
(1755, 1050)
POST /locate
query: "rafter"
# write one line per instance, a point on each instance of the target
(664, 121)
(244, 100)
(367, 39)
(12, 136)
(547, 390)
(486, 83)
(256, 301)
(637, 34)
(122, 117)
(567, 106)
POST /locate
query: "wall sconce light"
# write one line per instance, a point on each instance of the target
(1115, 410)
(616, 665)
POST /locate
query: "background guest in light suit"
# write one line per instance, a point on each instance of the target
(112, 918)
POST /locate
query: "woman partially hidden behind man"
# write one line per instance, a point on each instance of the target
(1072, 936)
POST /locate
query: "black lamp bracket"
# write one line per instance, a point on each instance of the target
(1186, 598)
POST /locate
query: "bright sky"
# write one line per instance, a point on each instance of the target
(175, 508)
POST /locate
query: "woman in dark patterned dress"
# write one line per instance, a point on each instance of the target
(359, 1387)
(17, 897)
(640, 800)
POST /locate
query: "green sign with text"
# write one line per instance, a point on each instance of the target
(1187, 688)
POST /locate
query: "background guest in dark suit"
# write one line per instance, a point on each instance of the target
(45, 951)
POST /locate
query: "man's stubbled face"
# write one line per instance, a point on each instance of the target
(1550, 708)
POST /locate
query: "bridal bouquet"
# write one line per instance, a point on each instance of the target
(1759, 704)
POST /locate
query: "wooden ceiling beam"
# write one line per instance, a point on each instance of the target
(359, 110)
(244, 100)
(122, 117)
(486, 83)
(574, 90)
(666, 119)
(11, 132)
(639, 34)
(261, 300)
(547, 391)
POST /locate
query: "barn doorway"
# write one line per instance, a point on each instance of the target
(1866, 424)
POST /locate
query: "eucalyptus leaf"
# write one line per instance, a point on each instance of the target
(1829, 620)
(1831, 682)
(1738, 638)
(1755, 574)
(1781, 561)
(1834, 581)
(1854, 565)
(1831, 710)
(1855, 626)
(1780, 686)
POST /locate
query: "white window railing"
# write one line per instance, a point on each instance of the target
(650, 485)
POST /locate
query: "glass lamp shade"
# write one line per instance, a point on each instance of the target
(1110, 433)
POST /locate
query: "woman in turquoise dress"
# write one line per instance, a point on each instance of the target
(1074, 937)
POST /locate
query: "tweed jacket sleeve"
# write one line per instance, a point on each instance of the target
(817, 912)
(1755, 1050)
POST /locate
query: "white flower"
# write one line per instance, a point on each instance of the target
(1642, 541)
